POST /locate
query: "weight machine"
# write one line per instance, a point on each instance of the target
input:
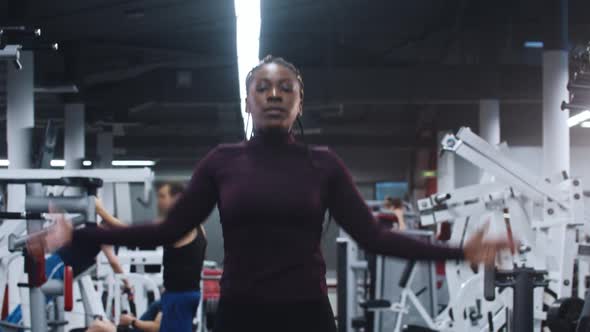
(36, 211)
(36, 206)
(547, 214)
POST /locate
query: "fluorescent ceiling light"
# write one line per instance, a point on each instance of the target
(248, 48)
(585, 124)
(533, 44)
(578, 118)
(57, 163)
(144, 163)
(62, 163)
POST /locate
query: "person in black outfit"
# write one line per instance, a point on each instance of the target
(273, 193)
(182, 262)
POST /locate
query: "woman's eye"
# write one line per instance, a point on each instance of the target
(287, 87)
(261, 88)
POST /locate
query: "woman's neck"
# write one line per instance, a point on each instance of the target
(275, 135)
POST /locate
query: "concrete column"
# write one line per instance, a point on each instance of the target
(105, 154)
(20, 121)
(105, 149)
(556, 133)
(489, 120)
(556, 137)
(74, 137)
(20, 116)
(489, 124)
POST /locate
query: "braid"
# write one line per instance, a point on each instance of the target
(279, 61)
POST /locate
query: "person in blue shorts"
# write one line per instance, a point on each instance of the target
(182, 262)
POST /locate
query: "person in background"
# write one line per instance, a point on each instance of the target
(182, 262)
(395, 206)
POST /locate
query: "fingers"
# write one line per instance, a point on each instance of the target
(482, 231)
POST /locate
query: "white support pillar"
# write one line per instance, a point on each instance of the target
(105, 149)
(489, 120)
(20, 114)
(20, 121)
(556, 133)
(105, 154)
(445, 173)
(556, 139)
(489, 124)
(74, 137)
(74, 153)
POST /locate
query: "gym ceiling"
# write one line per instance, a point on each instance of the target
(162, 74)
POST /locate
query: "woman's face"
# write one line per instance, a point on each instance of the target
(274, 99)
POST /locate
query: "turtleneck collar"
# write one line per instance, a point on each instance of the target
(272, 137)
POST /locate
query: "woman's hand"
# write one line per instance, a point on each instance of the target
(479, 250)
(99, 206)
(56, 236)
(126, 319)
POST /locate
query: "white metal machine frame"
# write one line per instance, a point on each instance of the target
(545, 215)
(119, 178)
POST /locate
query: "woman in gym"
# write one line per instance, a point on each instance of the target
(272, 193)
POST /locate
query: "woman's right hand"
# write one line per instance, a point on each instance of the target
(56, 236)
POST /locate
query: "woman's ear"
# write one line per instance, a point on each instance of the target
(247, 110)
(300, 109)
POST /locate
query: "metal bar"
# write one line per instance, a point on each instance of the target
(20, 215)
(574, 107)
(75, 204)
(342, 271)
(523, 303)
(571, 86)
(514, 170)
(509, 172)
(53, 287)
(421, 310)
(107, 175)
(379, 276)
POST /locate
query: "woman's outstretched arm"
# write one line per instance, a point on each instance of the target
(191, 209)
(350, 211)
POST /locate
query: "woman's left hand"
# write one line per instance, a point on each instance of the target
(479, 250)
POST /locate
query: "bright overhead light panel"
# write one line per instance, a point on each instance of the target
(248, 48)
(138, 163)
(578, 118)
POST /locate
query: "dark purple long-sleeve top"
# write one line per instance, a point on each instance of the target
(272, 194)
